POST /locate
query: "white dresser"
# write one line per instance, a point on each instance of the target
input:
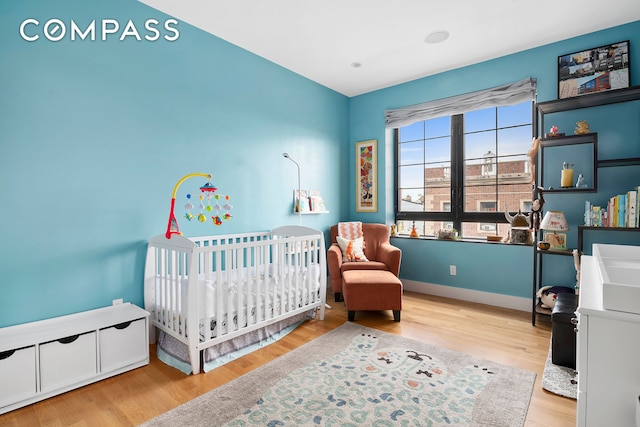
(608, 356)
(41, 359)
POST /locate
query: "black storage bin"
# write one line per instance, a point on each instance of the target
(563, 336)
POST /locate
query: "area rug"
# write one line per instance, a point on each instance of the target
(355, 375)
(559, 379)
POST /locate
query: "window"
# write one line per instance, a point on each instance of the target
(464, 170)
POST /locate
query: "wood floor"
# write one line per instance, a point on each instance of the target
(501, 335)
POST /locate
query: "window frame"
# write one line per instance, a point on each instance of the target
(457, 215)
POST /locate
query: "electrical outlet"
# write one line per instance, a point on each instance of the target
(452, 270)
(117, 301)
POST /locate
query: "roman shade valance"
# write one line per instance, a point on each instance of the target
(509, 94)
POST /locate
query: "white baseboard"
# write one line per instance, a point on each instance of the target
(489, 298)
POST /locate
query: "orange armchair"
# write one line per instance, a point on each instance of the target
(381, 255)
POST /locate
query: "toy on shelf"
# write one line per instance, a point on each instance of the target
(553, 132)
(207, 192)
(582, 128)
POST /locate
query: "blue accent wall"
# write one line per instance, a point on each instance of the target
(490, 267)
(95, 135)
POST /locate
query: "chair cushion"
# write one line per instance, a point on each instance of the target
(352, 250)
(370, 278)
(368, 265)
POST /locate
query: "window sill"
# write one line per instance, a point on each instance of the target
(467, 240)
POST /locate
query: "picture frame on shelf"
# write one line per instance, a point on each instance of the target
(367, 176)
(557, 241)
(594, 70)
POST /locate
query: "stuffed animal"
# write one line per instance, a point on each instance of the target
(549, 294)
(582, 127)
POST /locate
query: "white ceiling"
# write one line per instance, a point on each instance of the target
(321, 39)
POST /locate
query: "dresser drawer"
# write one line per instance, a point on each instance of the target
(67, 361)
(123, 344)
(17, 375)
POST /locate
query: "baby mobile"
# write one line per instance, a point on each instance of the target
(206, 195)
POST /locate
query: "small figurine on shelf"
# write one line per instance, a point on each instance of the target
(580, 183)
(536, 208)
(553, 132)
(394, 230)
(582, 128)
(576, 263)
(414, 232)
(532, 153)
(447, 234)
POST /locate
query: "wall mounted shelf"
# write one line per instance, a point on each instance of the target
(568, 104)
(313, 213)
(591, 100)
(581, 149)
(587, 101)
(583, 228)
(632, 161)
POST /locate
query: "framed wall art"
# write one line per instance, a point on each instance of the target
(594, 70)
(367, 176)
(556, 241)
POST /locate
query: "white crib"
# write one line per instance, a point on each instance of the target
(206, 290)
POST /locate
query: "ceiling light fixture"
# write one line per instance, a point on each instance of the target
(437, 37)
(356, 64)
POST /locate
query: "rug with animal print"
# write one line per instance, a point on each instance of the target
(360, 376)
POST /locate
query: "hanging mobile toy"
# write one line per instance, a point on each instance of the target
(208, 188)
(188, 207)
(172, 226)
(201, 216)
(227, 207)
(207, 191)
(216, 218)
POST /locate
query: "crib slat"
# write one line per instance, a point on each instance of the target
(218, 301)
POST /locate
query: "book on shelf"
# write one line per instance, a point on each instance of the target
(621, 211)
(309, 201)
(301, 201)
(632, 208)
(315, 201)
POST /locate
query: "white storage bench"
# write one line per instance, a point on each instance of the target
(48, 357)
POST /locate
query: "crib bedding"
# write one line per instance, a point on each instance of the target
(270, 288)
(175, 353)
(267, 285)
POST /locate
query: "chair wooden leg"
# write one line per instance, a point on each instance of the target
(396, 315)
(352, 315)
